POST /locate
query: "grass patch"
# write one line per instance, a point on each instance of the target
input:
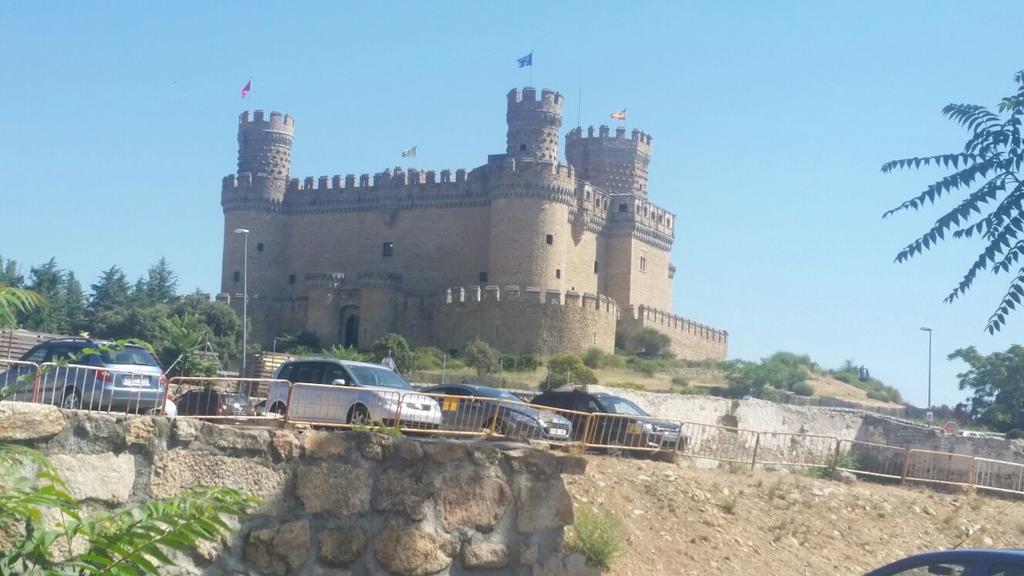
(598, 536)
(379, 428)
(626, 385)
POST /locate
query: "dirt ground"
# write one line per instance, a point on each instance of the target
(682, 520)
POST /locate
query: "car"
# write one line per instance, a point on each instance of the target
(631, 427)
(89, 374)
(473, 407)
(349, 392)
(957, 563)
(209, 402)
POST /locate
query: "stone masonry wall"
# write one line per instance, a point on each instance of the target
(690, 340)
(333, 502)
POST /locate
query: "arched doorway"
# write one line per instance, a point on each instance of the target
(349, 335)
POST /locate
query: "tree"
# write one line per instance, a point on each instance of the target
(649, 343)
(47, 281)
(481, 356)
(997, 382)
(74, 303)
(159, 285)
(988, 175)
(224, 326)
(180, 336)
(299, 342)
(109, 292)
(14, 301)
(394, 346)
(9, 273)
(37, 510)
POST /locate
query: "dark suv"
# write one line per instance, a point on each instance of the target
(628, 425)
(89, 374)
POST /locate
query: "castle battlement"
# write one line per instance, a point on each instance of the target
(381, 180)
(638, 140)
(652, 316)
(275, 121)
(526, 99)
(529, 295)
(626, 207)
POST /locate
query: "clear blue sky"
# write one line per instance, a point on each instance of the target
(770, 121)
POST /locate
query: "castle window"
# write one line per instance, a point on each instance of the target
(483, 277)
(388, 249)
(595, 266)
(558, 272)
(237, 275)
(550, 239)
(259, 247)
(522, 147)
(291, 278)
(623, 207)
(643, 263)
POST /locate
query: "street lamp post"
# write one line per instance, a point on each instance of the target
(245, 292)
(929, 331)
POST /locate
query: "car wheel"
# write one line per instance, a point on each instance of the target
(72, 400)
(277, 408)
(358, 415)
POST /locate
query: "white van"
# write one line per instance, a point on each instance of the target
(332, 391)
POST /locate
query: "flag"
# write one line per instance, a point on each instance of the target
(247, 88)
(525, 60)
(620, 115)
(409, 152)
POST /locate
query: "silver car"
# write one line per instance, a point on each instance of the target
(332, 391)
(80, 373)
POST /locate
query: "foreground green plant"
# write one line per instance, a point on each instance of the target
(133, 542)
(596, 535)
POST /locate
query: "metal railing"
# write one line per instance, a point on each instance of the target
(222, 397)
(79, 387)
(17, 380)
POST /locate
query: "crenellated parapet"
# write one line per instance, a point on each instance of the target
(641, 218)
(246, 191)
(529, 296)
(653, 316)
(533, 124)
(689, 340)
(615, 163)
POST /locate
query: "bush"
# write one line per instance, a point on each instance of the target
(350, 353)
(598, 536)
(299, 342)
(566, 368)
(428, 358)
(681, 385)
(803, 389)
(728, 505)
(648, 343)
(625, 385)
(614, 361)
(519, 363)
(593, 358)
(643, 366)
(481, 356)
(395, 346)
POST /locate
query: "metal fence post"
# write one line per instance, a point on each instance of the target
(757, 443)
(835, 457)
(906, 465)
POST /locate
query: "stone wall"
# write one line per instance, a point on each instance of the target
(689, 340)
(333, 502)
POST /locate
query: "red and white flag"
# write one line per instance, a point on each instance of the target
(620, 115)
(246, 89)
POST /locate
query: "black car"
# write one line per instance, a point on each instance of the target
(631, 427)
(472, 407)
(202, 402)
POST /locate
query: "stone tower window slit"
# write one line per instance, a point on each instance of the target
(483, 277)
(259, 247)
(236, 276)
(643, 263)
(549, 239)
(388, 249)
(291, 278)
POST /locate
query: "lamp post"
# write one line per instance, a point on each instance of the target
(245, 292)
(929, 331)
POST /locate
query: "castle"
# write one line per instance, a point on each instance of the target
(528, 254)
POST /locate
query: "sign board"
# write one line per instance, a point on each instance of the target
(951, 428)
(929, 416)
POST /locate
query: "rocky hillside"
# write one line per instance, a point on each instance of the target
(684, 520)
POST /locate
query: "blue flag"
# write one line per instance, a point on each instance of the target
(525, 60)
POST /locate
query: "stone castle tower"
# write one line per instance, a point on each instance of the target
(524, 252)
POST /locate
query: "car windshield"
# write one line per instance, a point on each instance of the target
(240, 399)
(133, 355)
(379, 377)
(617, 405)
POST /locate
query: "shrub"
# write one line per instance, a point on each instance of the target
(428, 358)
(395, 346)
(803, 389)
(614, 361)
(681, 385)
(643, 366)
(566, 368)
(598, 536)
(626, 385)
(648, 343)
(481, 356)
(519, 363)
(727, 504)
(350, 353)
(593, 358)
(298, 342)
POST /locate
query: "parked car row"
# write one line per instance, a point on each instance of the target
(96, 374)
